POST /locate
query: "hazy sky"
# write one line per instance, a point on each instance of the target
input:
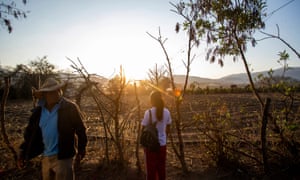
(105, 34)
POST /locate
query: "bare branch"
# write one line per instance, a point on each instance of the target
(159, 40)
(279, 38)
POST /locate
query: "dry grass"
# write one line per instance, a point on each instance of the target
(242, 108)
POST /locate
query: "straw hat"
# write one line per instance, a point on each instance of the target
(50, 84)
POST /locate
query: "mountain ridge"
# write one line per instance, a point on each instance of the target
(237, 79)
(240, 79)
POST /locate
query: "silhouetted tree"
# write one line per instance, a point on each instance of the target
(158, 77)
(178, 94)
(227, 27)
(41, 69)
(32, 75)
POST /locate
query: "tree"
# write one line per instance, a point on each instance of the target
(116, 88)
(179, 94)
(32, 75)
(284, 57)
(114, 114)
(227, 26)
(7, 83)
(41, 69)
(95, 92)
(157, 77)
(9, 11)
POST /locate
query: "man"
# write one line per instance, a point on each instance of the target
(51, 132)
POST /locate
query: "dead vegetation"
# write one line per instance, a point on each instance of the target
(220, 133)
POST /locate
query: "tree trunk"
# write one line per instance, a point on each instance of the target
(263, 135)
(2, 114)
(138, 162)
(180, 139)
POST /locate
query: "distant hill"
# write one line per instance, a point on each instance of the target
(242, 78)
(238, 79)
(201, 82)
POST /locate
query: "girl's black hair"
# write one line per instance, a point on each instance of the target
(157, 101)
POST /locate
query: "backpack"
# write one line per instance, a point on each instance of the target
(149, 136)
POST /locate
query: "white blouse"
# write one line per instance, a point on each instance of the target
(160, 125)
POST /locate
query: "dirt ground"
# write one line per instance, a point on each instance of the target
(93, 168)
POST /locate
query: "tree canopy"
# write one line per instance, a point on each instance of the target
(225, 25)
(9, 10)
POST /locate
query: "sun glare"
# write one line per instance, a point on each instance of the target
(109, 47)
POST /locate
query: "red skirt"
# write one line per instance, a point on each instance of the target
(156, 164)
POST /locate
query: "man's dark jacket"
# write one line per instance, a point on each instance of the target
(69, 123)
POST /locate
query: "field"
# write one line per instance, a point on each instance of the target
(235, 118)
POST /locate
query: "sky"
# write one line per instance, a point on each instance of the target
(105, 34)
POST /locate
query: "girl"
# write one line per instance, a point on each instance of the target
(156, 161)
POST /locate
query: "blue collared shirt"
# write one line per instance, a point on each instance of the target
(48, 125)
